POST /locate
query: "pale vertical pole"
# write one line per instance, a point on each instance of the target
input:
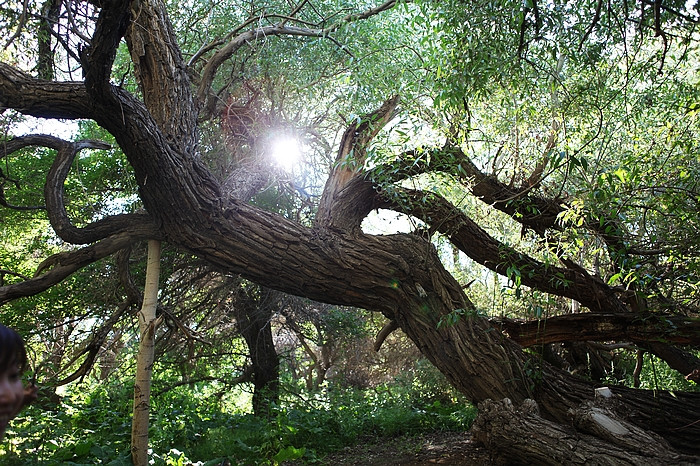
(145, 358)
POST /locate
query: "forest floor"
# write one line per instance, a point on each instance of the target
(444, 448)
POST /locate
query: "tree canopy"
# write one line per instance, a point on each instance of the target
(543, 155)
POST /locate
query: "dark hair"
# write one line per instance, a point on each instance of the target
(12, 351)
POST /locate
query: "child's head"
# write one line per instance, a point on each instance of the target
(13, 355)
(13, 362)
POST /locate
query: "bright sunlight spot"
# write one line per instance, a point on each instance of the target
(286, 152)
(386, 222)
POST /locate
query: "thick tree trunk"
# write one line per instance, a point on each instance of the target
(399, 275)
(145, 358)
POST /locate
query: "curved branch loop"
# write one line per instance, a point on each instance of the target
(54, 194)
(54, 191)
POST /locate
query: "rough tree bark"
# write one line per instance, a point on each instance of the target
(333, 261)
(572, 281)
(602, 327)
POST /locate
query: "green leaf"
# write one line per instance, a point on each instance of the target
(614, 279)
(288, 453)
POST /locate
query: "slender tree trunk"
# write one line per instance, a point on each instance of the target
(145, 358)
(45, 65)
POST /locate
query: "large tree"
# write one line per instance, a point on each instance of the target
(159, 126)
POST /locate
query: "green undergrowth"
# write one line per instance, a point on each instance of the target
(197, 425)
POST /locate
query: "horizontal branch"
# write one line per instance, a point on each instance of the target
(245, 377)
(43, 99)
(602, 327)
(4, 203)
(31, 140)
(534, 212)
(204, 97)
(121, 114)
(4, 272)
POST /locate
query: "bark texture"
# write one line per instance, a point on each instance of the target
(603, 327)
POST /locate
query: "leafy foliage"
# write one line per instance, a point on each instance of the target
(90, 424)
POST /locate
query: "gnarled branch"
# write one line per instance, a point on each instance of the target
(43, 99)
(53, 192)
(476, 243)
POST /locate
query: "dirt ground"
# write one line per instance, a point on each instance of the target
(444, 448)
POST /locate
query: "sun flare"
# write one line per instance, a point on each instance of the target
(286, 152)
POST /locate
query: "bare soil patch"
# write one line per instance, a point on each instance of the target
(445, 448)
